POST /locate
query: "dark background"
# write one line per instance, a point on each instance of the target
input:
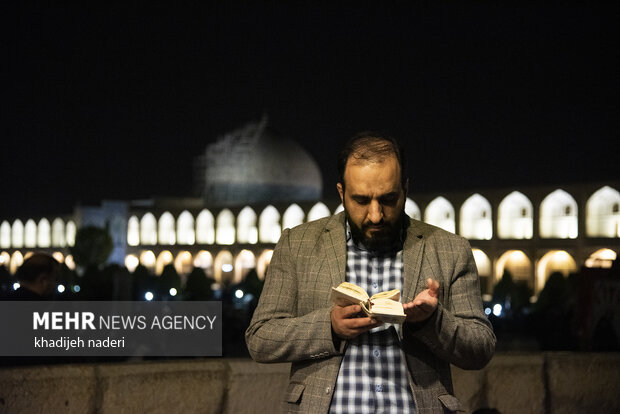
(110, 100)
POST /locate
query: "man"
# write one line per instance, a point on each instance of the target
(343, 362)
(38, 278)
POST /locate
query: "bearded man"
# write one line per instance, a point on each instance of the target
(342, 360)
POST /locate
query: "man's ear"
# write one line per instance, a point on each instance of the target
(340, 191)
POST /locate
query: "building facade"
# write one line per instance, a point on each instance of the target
(251, 184)
(531, 232)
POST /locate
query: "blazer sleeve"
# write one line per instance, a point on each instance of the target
(279, 332)
(458, 332)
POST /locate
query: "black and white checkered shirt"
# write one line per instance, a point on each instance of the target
(373, 374)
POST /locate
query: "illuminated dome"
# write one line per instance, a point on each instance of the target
(253, 164)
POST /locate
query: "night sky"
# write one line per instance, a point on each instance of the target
(113, 101)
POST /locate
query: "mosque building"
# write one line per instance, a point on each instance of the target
(252, 183)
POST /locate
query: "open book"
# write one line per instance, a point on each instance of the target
(384, 306)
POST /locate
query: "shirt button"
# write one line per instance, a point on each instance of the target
(379, 388)
(375, 285)
(376, 353)
(327, 390)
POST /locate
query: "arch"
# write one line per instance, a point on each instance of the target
(58, 233)
(148, 259)
(553, 261)
(269, 225)
(485, 270)
(16, 261)
(518, 264)
(225, 228)
(558, 216)
(515, 217)
(262, 263)
(30, 234)
(69, 262)
(133, 231)
(165, 229)
(164, 258)
(244, 261)
(131, 262)
(339, 209)
(412, 209)
(70, 230)
(17, 234)
(148, 230)
(603, 213)
(183, 263)
(475, 218)
(483, 263)
(318, 211)
(602, 258)
(44, 233)
(223, 267)
(293, 216)
(247, 231)
(5, 235)
(204, 260)
(185, 228)
(205, 233)
(5, 259)
(440, 213)
(58, 256)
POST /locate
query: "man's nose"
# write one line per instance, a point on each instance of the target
(375, 212)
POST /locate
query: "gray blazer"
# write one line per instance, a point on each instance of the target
(292, 321)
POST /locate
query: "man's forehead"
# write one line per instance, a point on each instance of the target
(363, 159)
(371, 176)
(363, 189)
(389, 161)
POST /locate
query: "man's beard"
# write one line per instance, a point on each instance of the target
(382, 239)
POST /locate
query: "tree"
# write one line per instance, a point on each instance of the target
(93, 246)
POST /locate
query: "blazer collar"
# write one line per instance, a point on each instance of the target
(413, 251)
(335, 242)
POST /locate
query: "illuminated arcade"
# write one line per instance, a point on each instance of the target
(252, 183)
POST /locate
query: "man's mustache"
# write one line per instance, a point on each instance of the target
(375, 226)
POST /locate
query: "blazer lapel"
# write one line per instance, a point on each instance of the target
(413, 251)
(335, 242)
(335, 249)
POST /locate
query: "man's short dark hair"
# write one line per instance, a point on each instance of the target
(372, 146)
(35, 265)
